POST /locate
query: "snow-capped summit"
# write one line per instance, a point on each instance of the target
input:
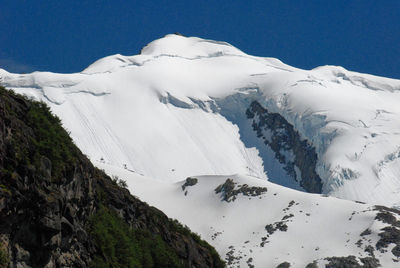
(189, 47)
(188, 106)
(172, 45)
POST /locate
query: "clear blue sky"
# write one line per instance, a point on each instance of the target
(67, 36)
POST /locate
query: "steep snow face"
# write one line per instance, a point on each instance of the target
(255, 223)
(179, 109)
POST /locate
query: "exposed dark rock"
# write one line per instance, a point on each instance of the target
(50, 191)
(227, 190)
(352, 262)
(280, 225)
(283, 265)
(231, 258)
(291, 203)
(370, 250)
(312, 265)
(215, 235)
(189, 182)
(366, 232)
(281, 137)
(229, 193)
(342, 262)
(396, 251)
(387, 215)
(249, 262)
(370, 262)
(389, 235)
(263, 241)
(287, 217)
(393, 210)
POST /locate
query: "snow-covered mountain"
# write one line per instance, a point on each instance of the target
(255, 223)
(192, 108)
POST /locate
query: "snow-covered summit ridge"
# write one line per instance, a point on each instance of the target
(189, 47)
(179, 109)
(364, 80)
(174, 45)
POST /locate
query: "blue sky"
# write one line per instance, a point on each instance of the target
(67, 36)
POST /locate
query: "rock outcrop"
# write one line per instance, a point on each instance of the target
(229, 190)
(296, 154)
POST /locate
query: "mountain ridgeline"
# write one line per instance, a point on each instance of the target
(185, 98)
(57, 210)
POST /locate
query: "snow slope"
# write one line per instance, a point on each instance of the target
(178, 109)
(275, 225)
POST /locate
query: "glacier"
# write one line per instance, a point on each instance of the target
(178, 109)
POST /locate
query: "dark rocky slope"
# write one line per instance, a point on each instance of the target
(290, 150)
(57, 210)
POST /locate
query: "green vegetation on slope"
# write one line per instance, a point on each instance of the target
(122, 246)
(178, 227)
(3, 257)
(49, 138)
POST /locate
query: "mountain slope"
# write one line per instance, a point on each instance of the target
(255, 223)
(57, 210)
(180, 109)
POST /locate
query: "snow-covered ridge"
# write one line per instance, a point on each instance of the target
(179, 109)
(363, 80)
(255, 223)
(189, 47)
